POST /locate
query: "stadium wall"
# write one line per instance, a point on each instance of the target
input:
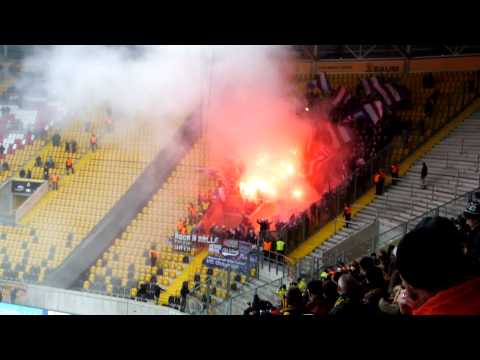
(80, 303)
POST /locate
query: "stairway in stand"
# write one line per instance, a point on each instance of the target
(453, 169)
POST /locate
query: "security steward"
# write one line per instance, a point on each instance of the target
(347, 214)
(69, 166)
(395, 173)
(93, 142)
(267, 247)
(280, 248)
(55, 179)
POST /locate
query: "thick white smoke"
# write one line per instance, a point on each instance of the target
(158, 81)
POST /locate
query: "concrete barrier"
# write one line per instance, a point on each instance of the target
(76, 302)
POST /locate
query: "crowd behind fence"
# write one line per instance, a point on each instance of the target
(311, 268)
(352, 188)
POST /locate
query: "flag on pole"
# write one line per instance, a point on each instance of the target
(319, 155)
(340, 96)
(381, 90)
(345, 133)
(323, 83)
(366, 86)
(332, 135)
(379, 107)
(372, 112)
(393, 92)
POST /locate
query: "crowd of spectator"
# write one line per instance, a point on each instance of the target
(434, 270)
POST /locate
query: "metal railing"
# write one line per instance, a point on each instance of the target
(237, 304)
(450, 209)
(270, 264)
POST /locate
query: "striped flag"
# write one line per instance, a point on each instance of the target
(319, 155)
(366, 86)
(333, 135)
(323, 83)
(341, 96)
(345, 133)
(379, 107)
(393, 92)
(320, 145)
(379, 88)
(374, 111)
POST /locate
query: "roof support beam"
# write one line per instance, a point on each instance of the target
(369, 50)
(400, 51)
(355, 55)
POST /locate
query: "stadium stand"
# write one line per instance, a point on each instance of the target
(63, 218)
(127, 263)
(135, 269)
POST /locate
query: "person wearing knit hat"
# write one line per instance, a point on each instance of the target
(435, 271)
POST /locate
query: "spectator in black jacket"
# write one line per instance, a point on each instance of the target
(183, 294)
(264, 228)
(38, 161)
(423, 175)
(73, 146)
(349, 302)
(472, 216)
(56, 140)
(46, 172)
(5, 166)
(50, 163)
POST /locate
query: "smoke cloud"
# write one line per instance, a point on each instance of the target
(245, 92)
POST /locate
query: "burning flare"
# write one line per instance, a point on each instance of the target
(270, 177)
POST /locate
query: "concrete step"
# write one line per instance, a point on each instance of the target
(407, 200)
(404, 198)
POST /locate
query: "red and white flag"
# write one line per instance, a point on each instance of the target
(345, 133)
(341, 96)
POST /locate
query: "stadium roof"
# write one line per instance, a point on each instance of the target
(371, 51)
(322, 52)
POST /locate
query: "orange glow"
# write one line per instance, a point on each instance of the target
(297, 193)
(270, 177)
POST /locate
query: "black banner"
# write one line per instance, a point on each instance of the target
(26, 186)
